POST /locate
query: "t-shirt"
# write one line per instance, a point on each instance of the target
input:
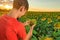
(11, 29)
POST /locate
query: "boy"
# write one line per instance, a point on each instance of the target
(10, 28)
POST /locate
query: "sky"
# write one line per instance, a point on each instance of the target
(41, 5)
(44, 5)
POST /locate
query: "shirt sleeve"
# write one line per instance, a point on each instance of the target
(21, 31)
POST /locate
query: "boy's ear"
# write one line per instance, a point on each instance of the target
(22, 8)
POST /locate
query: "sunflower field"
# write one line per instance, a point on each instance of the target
(47, 25)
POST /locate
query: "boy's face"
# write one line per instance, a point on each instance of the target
(22, 11)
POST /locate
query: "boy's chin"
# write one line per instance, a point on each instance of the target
(18, 16)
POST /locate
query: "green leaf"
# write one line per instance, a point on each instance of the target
(34, 38)
(34, 32)
(58, 38)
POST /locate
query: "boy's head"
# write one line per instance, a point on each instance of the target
(21, 6)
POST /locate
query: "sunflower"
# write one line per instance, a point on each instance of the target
(48, 38)
(43, 19)
(32, 22)
(57, 25)
(49, 20)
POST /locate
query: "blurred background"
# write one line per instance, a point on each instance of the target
(44, 13)
(35, 5)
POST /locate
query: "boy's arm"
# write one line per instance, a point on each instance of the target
(29, 33)
(22, 32)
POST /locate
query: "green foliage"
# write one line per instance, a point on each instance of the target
(45, 25)
(58, 38)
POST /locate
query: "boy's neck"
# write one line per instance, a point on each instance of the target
(13, 14)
